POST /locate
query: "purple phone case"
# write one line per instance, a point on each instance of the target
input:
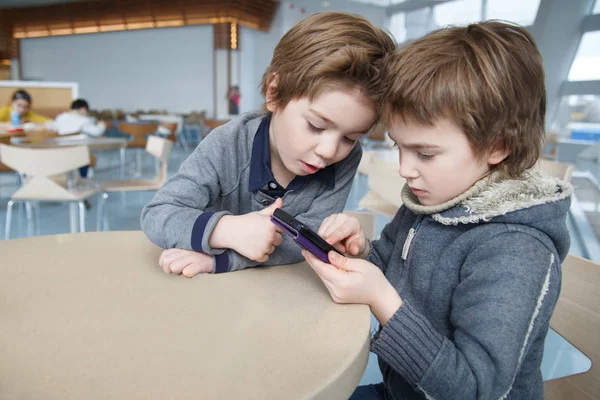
(301, 240)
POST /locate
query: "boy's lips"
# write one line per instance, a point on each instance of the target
(417, 192)
(309, 168)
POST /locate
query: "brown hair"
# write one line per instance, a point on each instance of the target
(487, 78)
(326, 51)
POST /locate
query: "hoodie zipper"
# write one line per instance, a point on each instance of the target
(411, 234)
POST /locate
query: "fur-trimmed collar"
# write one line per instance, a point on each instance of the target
(492, 196)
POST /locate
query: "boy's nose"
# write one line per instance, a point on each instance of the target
(407, 169)
(327, 149)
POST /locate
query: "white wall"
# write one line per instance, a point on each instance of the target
(167, 68)
(256, 51)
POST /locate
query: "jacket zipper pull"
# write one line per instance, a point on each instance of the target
(411, 234)
(409, 238)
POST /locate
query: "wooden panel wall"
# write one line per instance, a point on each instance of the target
(110, 15)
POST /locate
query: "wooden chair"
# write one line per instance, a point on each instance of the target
(577, 319)
(39, 166)
(211, 124)
(139, 134)
(172, 127)
(157, 147)
(556, 169)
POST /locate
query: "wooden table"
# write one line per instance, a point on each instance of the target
(577, 319)
(92, 316)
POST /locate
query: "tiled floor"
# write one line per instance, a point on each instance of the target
(124, 212)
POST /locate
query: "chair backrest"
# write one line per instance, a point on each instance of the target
(161, 149)
(138, 131)
(366, 220)
(577, 319)
(172, 127)
(556, 169)
(40, 165)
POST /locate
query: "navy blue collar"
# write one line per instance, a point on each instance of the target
(260, 164)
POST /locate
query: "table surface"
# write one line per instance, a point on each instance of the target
(99, 143)
(92, 316)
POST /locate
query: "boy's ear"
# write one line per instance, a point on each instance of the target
(271, 92)
(498, 154)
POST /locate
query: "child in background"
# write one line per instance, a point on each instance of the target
(322, 91)
(465, 278)
(19, 112)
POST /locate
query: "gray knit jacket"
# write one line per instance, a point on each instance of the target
(479, 277)
(214, 181)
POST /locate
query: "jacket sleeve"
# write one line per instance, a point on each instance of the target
(508, 288)
(331, 201)
(178, 207)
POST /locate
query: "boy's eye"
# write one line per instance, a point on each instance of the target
(348, 140)
(423, 156)
(314, 128)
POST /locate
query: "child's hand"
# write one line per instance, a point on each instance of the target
(344, 233)
(252, 235)
(356, 281)
(185, 262)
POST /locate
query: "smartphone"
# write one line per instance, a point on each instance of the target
(302, 235)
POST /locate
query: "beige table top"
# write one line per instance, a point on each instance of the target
(94, 144)
(92, 316)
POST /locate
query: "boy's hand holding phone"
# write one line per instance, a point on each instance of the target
(251, 235)
(356, 281)
(344, 233)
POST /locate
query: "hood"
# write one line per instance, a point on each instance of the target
(494, 200)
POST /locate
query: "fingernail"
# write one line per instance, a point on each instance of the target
(333, 256)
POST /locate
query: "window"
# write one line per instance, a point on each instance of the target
(578, 117)
(585, 66)
(522, 12)
(596, 7)
(398, 27)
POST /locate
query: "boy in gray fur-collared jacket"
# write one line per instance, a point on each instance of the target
(465, 278)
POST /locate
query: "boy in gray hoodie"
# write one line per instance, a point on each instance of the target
(465, 278)
(322, 91)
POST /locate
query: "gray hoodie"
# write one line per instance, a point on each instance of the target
(479, 277)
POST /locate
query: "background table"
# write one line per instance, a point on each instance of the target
(92, 316)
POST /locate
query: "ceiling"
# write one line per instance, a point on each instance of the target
(30, 3)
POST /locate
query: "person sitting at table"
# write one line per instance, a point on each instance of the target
(78, 121)
(18, 112)
(322, 92)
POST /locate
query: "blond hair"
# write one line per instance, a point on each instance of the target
(325, 51)
(487, 78)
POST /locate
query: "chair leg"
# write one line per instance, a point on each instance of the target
(29, 213)
(9, 209)
(81, 216)
(37, 217)
(138, 162)
(100, 212)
